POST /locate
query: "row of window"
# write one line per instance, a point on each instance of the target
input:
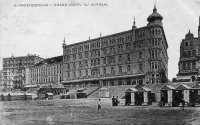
(189, 53)
(188, 43)
(155, 54)
(46, 79)
(105, 51)
(93, 45)
(96, 71)
(155, 65)
(156, 31)
(46, 71)
(109, 60)
(155, 42)
(188, 65)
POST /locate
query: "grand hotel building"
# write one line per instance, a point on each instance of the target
(136, 56)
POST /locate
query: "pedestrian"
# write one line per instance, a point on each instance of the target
(117, 101)
(183, 104)
(99, 105)
(113, 101)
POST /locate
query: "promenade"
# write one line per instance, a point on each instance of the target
(84, 111)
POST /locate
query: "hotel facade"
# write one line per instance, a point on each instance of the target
(134, 57)
(14, 69)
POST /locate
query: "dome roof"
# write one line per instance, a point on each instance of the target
(154, 16)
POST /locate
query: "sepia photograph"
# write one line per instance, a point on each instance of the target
(99, 62)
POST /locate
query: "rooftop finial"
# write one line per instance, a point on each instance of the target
(64, 41)
(154, 9)
(189, 31)
(100, 34)
(89, 37)
(134, 26)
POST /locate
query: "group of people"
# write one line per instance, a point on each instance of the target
(115, 101)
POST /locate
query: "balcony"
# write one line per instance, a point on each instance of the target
(188, 71)
(188, 58)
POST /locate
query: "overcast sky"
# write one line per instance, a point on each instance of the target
(41, 30)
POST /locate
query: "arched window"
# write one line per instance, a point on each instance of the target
(112, 70)
(140, 66)
(104, 60)
(120, 69)
(98, 61)
(104, 71)
(120, 58)
(74, 74)
(128, 57)
(140, 55)
(80, 73)
(128, 68)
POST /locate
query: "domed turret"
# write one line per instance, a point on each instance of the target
(155, 17)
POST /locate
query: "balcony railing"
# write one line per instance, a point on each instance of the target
(188, 71)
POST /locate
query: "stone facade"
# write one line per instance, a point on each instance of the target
(136, 56)
(47, 72)
(14, 69)
(189, 62)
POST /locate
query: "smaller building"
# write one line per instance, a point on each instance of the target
(47, 73)
(189, 59)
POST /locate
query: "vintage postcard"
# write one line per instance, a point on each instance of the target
(107, 62)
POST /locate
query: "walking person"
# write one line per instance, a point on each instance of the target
(99, 105)
(183, 104)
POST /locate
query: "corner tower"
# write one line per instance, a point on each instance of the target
(157, 49)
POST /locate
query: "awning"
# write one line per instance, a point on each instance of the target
(132, 90)
(182, 87)
(167, 87)
(103, 78)
(143, 89)
(30, 86)
(103, 89)
(197, 86)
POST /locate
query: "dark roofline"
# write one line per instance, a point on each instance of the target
(98, 38)
(49, 60)
(14, 57)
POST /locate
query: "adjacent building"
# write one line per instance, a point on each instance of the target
(1, 80)
(136, 56)
(14, 69)
(47, 72)
(189, 62)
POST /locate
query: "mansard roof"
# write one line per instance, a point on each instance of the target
(52, 60)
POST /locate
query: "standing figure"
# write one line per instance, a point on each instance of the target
(99, 105)
(117, 101)
(113, 101)
(183, 104)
